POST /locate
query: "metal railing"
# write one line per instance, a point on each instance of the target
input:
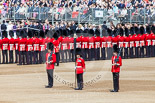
(91, 16)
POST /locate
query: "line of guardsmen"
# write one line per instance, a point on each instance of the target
(30, 47)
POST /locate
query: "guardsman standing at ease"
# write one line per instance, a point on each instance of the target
(116, 63)
(22, 47)
(29, 48)
(80, 68)
(50, 60)
(5, 42)
(11, 46)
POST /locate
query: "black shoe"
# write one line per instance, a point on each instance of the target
(78, 88)
(113, 91)
(48, 86)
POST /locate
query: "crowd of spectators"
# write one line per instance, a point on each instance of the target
(112, 30)
(114, 8)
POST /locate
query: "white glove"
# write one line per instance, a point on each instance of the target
(75, 67)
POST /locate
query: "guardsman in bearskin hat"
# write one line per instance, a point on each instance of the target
(64, 46)
(148, 41)
(56, 43)
(16, 46)
(121, 39)
(71, 46)
(142, 42)
(103, 45)
(85, 44)
(137, 41)
(29, 48)
(50, 60)
(91, 45)
(109, 44)
(5, 42)
(131, 38)
(68, 45)
(36, 48)
(116, 63)
(78, 39)
(126, 43)
(22, 47)
(80, 69)
(41, 47)
(97, 44)
(11, 46)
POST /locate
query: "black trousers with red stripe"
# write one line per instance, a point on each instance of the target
(85, 53)
(5, 56)
(64, 55)
(11, 56)
(80, 80)
(116, 81)
(142, 52)
(35, 57)
(148, 51)
(29, 57)
(109, 53)
(22, 57)
(136, 52)
(91, 54)
(131, 52)
(97, 54)
(42, 55)
(16, 56)
(126, 55)
(103, 54)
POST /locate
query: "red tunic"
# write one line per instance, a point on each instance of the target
(131, 41)
(97, 42)
(35, 44)
(114, 40)
(53, 59)
(103, 42)
(56, 46)
(153, 40)
(91, 42)
(64, 43)
(5, 42)
(42, 44)
(70, 43)
(115, 68)
(60, 38)
(80, 65)
(11, 44)
(109, 41)
(126, 42)
(142, 40)
(29, 44)
(137, 40)
(120, 41)
(78, 42)
(22, 44)
(84, 42)
(16, 43)
(148, 40)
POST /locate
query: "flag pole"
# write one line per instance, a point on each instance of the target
(75, 55)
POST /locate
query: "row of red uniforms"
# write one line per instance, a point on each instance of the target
(65, 43)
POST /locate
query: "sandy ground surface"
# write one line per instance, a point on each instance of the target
(25, 84)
